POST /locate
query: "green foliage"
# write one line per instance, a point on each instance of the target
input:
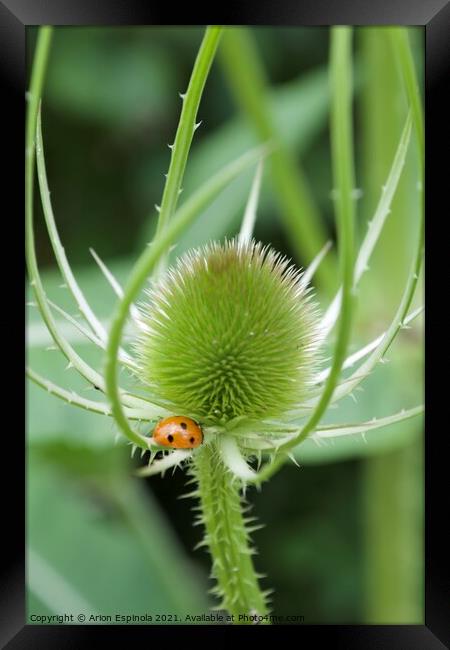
(147, 80)
(104, 546)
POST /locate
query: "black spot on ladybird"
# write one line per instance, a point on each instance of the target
(170, 437)
(183, 425)
(192, 440)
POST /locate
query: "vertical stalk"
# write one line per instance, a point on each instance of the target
(185, 131)
(34, 97)
(246, 78)
(341, 131)
(382, 92)
(393, 511)
(227, 537)
(392, 482)
(187, 125)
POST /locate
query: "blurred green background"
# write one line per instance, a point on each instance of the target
(343, 538)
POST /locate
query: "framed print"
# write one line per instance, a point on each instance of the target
(225, 396)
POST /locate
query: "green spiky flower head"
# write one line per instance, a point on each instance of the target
(229, 331)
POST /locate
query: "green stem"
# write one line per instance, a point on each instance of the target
(344, 175)
(379, 139)
(227, 537)
(393, 510)
(187, 125)
(185, 132)
(402, 49)
(34, 97)
(297, 207)
(393, 532)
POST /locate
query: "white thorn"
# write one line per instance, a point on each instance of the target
(197, 125)
(171, 146)
(294, 460)
(182, 95)
(69, 365)
(157, 207)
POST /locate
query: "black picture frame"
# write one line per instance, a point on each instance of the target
(434, 15)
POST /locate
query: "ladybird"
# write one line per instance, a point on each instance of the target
(178, 432)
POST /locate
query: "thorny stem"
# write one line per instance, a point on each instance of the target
(344, 175)
(404, 56)
(187, 125)
(227, 537)
(402, 50)
(185, 132)
(36, 83)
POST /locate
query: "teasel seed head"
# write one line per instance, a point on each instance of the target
(229, 331)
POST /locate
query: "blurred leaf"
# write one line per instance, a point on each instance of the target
(300, 109)
(96, 538)
(116, 76)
